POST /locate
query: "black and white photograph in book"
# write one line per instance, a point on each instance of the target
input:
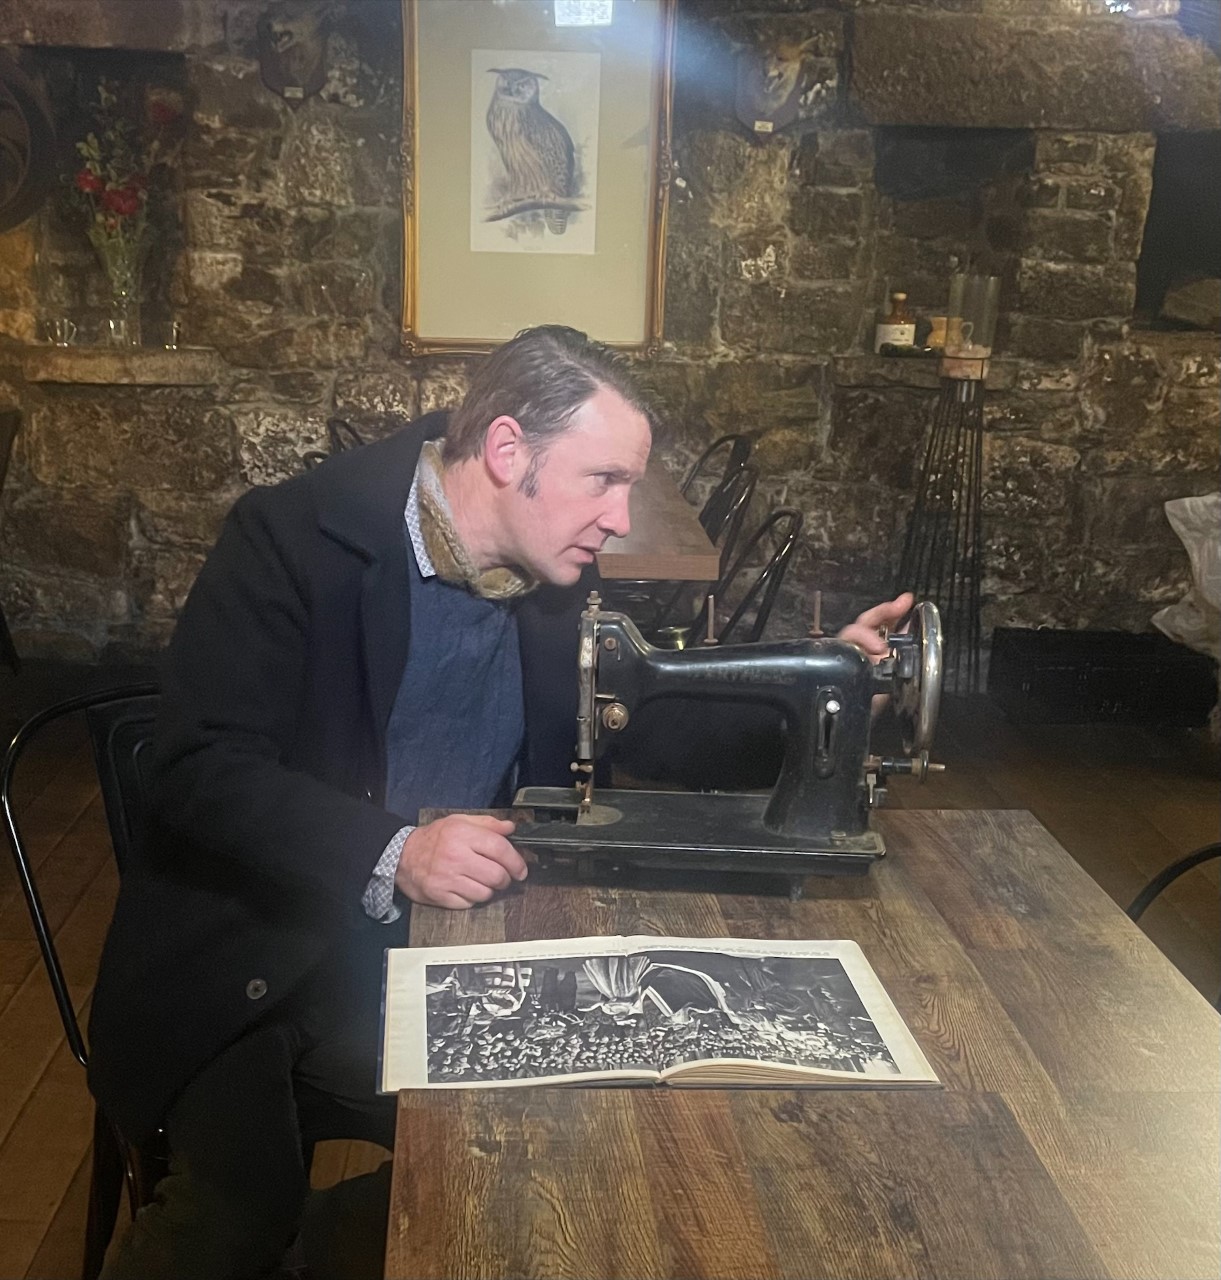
(644, 1012)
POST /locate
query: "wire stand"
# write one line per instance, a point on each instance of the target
(941, 554)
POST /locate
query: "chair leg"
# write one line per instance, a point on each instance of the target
(1170, 874)
(105, 1191)
(8, 650)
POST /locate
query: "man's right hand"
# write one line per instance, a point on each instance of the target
(458, 860)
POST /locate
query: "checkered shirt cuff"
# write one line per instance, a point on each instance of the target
(378, 897)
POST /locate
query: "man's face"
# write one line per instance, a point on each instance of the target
(581, 484)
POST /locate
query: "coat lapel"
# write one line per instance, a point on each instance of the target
(362, 508)
(385, 620)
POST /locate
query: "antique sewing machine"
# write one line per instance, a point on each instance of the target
(816, 819)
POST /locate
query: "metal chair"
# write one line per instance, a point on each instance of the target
(1169, 875)
(343, 435)
(1166, 877)
(739, 452)
(120, 727)
(783, 527)
(10, 422)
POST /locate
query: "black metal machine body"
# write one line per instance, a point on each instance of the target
(816, 819)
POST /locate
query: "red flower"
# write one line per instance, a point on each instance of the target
(162, 112)
(88, 182)
(124, 201)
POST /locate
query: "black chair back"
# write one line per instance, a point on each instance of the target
(122, 719)
(783, 525)
(343, 435)
(738, 449)
(120, 723)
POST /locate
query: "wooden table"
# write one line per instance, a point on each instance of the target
(667, 542)
(1077, 1133)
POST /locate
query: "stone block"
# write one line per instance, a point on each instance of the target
(1096, 195)
(1128, 511)
(318, 164)
(783, 450)
(443, 381)
(300, 386)
(1065, 151)
(390, 391)
(760, 396)
(74, 531)
(876, 437)
(1191, 360)
(1021, 557)
(38, 601)
(323, 343)
(351, 235)
(808, 320)
(1054, 418)
(868, 370)
(1028, 479)
(1043, 339)
(849, 544)
(167, 519)
(271, 443)
(1124, 384)
(1042, 73)
(377, 178)
(1057, 236)
(822, 214)
(131, 442)
(694, 270)
(334, 289)
(1075, 292)
(189, 25)
(760, 257)
(811, 259)
(162, 578)
(680, 393)
(740, 185)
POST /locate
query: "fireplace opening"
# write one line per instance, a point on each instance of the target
(1178, 280)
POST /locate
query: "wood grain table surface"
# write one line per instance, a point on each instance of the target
(1077, 1134)
(666, 542)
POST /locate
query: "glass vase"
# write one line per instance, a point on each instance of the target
(121, 254)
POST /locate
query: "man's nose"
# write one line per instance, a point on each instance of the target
(616, 519)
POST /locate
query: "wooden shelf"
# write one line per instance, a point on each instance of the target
(119, 366)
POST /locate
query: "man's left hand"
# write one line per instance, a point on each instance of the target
(869, 631)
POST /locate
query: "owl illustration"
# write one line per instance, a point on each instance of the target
(535, 148)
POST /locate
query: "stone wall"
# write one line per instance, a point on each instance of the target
(780, 252)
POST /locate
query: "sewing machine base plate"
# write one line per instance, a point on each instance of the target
(708, 831)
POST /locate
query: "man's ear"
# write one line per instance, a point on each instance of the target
(505, 450)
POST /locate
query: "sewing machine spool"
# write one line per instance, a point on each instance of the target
(815, 821)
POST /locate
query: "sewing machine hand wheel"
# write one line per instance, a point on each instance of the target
(917, 684)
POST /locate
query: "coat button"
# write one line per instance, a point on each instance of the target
(369, 794)
(256, 989)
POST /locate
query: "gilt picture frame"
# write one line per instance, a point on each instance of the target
(537, 166)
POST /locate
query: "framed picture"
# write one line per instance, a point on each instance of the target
(537, 171)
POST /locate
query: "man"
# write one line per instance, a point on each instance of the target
(365, 639)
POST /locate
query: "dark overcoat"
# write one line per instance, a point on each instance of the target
(269, 769)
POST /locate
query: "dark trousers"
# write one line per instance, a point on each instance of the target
(237, 1193)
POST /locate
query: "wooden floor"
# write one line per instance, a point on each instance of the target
(1124, 801)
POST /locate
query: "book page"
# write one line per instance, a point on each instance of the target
(597, 1009)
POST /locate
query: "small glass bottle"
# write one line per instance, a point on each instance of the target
(898, 326)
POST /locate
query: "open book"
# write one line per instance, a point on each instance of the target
(690, 1011)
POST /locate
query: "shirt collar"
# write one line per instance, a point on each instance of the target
(411, 513)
